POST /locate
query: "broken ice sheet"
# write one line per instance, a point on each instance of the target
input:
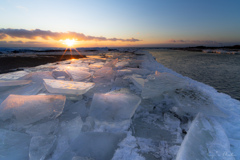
(62, 75)
(13, 75)
(29, 109)
(205, 139)
(13, 145)
(138, 81)
(77, 74)
(127, 71)
(104, 74)
(95, 145)
(8, 83)
(161, 83)
(114, 106)
(193, 101)
(41, 147)
(43, 129)
(67, 87)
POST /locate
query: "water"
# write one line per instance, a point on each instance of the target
(217, 70)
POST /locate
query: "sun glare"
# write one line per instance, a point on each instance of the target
(69, 42)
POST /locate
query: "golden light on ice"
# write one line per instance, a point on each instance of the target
(69, 42)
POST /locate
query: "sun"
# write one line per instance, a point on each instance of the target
(69, 42)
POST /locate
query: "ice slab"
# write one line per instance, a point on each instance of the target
(30, 109)
(128, 71)
(138, 81)
(94, 145)
(41, 147)
(205, 139)
(8, 83)
(62, 75)
(161, 83)
(13, 75)
(104, 74)
(72, 128)
(114, 106)
(13, 145)
(112, 63)
(77, 74)
(66, 67)
(43, 129)
(193, 101)
(67, 87)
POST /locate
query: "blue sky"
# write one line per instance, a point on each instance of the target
(152, 22)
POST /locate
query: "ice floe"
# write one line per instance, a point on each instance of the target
(67, 87)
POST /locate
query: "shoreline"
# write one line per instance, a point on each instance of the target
(16, 63)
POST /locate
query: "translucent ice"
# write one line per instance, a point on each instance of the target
(67, 87)
(161, 83)
(40, 147)
(138, 81)
(193, 101)
(205, 139)
(77, 74)
(30, 109)
(14, 145)
(133, 71)
(62, 75)
(114, 106)
(104, 74)
(7, 83)
(13, 75)
(43, 129)
(95, 145)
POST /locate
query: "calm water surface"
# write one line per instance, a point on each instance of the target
(217, 70)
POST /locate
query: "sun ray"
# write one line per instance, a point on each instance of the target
(63, 54)
(77, 51)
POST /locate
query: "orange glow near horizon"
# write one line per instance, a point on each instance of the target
(69, 42)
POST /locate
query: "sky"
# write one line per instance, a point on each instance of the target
(119, 23)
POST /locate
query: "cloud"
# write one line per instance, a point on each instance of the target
(15, 42)
(33, 34)
(193, 41)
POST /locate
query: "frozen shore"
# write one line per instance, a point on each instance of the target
(118, 104)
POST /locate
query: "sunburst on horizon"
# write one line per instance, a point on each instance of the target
(70, 43)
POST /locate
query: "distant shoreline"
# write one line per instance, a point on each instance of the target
(16, 63)
(202, 48)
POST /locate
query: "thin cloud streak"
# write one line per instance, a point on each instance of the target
(193, 41)
(33, 34)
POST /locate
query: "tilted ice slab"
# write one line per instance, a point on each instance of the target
(29, 109)
(14, 145)
(104, 75)
(66, 67)
(77, 74)
(67, 87)
(114, 106)
(8, 83)
(138, 81)
(128, 71)
(94, 145)
(41, 147)
(205, 139)
(193, 101)
(61, 75)
(161, 83)
(13, 75)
